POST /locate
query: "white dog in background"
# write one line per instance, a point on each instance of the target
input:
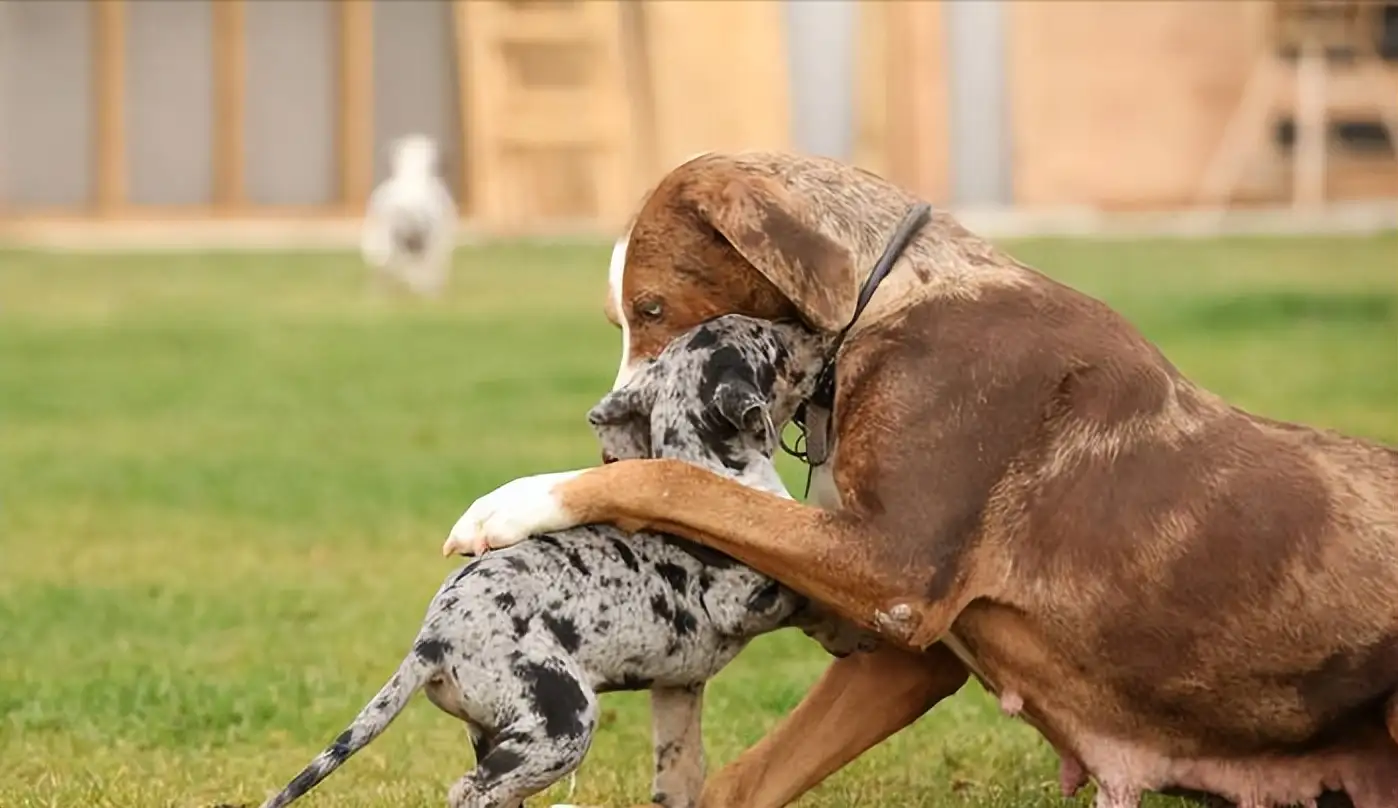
(410, 226)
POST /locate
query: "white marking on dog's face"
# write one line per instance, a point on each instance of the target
(615, 271)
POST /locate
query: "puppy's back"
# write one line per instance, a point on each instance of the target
(633, 611)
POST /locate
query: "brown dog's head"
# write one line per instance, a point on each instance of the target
(719, 236)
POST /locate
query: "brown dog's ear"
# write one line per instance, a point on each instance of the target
(760, 219)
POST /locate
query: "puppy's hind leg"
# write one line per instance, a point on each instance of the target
(535, 751)
(678, 741)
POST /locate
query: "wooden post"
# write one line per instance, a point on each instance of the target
(475, 120)
(230, 103)
(1308, 181)
(917, 104)
(109, 97)
(615, 161)
(356, 96)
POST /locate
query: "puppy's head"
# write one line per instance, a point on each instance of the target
(414, 155)
(726, 234)
(714, 397)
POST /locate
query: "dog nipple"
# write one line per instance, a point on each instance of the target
(1011, 703)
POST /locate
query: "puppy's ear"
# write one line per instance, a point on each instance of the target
(634, 399)
(765, 223)
(740, 404)
(616, 407)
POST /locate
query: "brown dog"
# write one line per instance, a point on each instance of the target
(1179, 595)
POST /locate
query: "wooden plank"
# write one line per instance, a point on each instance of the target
(543, 27)
(466, 114)
(356, 102)
(1308, 188)
(736, 102)
(542, 150)
(1077, 75)
(109, 91)
(482, 81)
(1352, 92)
(613, 176)
(871, 135)
(917, 102)
(640, 95)
(230, 104)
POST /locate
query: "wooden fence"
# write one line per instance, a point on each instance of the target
(559, 114)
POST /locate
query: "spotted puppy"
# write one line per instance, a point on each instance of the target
(519, 643)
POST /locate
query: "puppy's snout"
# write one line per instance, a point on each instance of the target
(606, 458)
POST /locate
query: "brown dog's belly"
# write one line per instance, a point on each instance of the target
(1363, 768)
(1097, 726)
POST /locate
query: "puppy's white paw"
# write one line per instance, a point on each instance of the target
(510, 514)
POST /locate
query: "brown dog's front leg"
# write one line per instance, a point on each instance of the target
(825, 555)
(859, 701)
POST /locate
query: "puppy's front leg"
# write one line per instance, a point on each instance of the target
(678, 740)
(677, 733)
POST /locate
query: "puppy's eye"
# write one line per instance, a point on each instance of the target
(650, 309)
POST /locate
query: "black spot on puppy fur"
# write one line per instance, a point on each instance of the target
(675, 575)
(765, 598)
(632, 681)
(558, 698)
(432, 651)
(499, 762)
(726, 361)
(505, 601)
(703, 338)
(481, 744)
(576, 561)
(684, 622)
(565, 630)
(662, 608)
(628, 557)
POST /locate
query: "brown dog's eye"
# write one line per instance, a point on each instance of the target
(650, 309)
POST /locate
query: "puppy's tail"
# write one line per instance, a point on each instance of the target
(371, 721)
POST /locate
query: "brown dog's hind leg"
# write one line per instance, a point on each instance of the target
(858, 702)
(824, 555)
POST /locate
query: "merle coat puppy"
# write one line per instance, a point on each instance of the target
(519, 643)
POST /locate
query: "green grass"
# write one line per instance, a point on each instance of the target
(225, 479)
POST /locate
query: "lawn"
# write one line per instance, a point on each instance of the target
(225, 480)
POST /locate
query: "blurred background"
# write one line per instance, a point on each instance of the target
(226, 465)
(555, 116)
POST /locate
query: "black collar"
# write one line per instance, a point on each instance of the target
(814, 417)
